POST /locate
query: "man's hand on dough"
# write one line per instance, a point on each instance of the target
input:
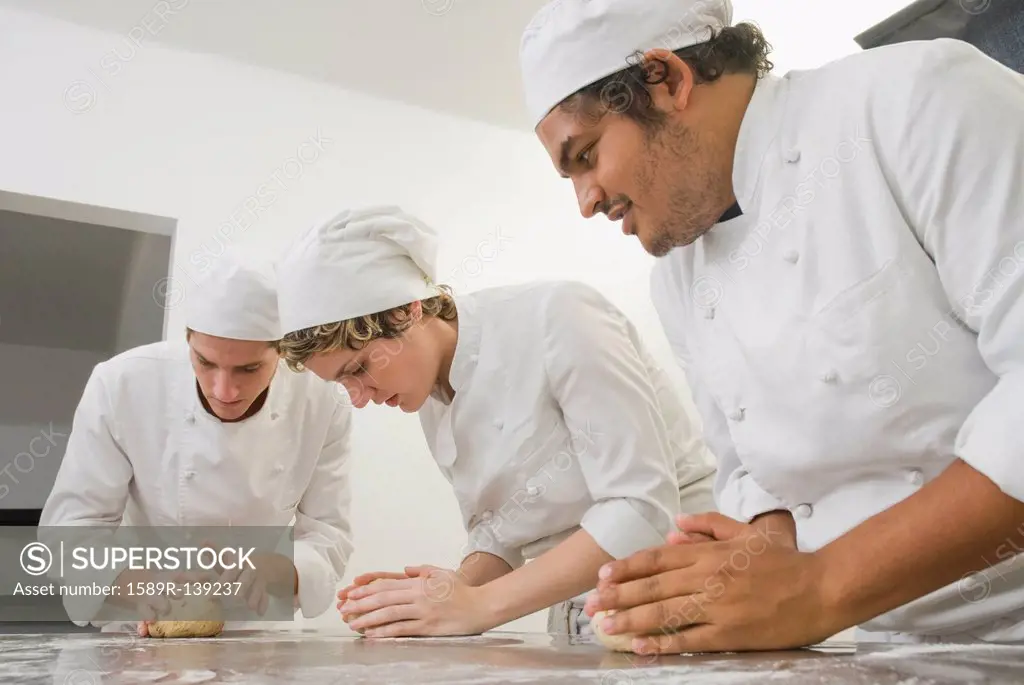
(750, 589)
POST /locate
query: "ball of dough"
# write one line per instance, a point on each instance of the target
(203, 619)
(620, 642)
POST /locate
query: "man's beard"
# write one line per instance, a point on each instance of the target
(674, 152)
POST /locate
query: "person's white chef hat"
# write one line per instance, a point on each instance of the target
(361, 261)
(570, 44)
(236, 298)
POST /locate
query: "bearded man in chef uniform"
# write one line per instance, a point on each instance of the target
(841, 274)
(215, 430)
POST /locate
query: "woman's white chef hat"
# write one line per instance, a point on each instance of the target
(361, 261)
(570, 44)
(236, 298)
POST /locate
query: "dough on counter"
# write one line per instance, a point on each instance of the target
(204, 619)
(620, 642)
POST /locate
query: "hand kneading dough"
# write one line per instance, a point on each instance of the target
(204, 619)
(353, 617)
(620, 642)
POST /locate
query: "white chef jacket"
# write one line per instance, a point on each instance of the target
(561, 420)
(861, 325)
(143, 451)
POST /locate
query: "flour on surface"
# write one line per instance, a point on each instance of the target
(905, 650)
(462, 639)
(127, 676)
(196, 676)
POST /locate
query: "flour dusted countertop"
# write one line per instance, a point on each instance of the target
(314, 657)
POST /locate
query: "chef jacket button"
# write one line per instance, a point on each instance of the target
(915, 477)
(486, 516)
(533, 491)
(803, 511)
(274, 415)
(791, 256)
(709, 313)
(190, 418)
(474, 358)
(792, 155)
(738, 414)
(499, 424)
(829, 376)
(190, 474)
(278, 468)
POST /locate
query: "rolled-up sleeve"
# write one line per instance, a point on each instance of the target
(610, 407)
(959, 171)
(482, 538)
(323, 533)
(737, 494)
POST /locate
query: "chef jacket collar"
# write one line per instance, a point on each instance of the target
(467, 347)
(273, 410)
(734, 211)
(759, 128)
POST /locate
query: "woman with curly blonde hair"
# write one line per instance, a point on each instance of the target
(565, 444)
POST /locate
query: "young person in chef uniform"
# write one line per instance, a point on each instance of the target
(841, 274)
(215, 430)
(564, 442)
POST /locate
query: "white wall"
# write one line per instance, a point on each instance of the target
(241, 155)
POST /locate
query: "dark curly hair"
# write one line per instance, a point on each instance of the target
(740, 49)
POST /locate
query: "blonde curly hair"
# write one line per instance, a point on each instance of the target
(298, 347)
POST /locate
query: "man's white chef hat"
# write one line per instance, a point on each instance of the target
(235, 299)
(361, 261)
(570, 44)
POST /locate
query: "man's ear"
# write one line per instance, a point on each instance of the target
(669, 78)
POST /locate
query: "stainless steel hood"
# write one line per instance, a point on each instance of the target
(996, 27)
(921, 20)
